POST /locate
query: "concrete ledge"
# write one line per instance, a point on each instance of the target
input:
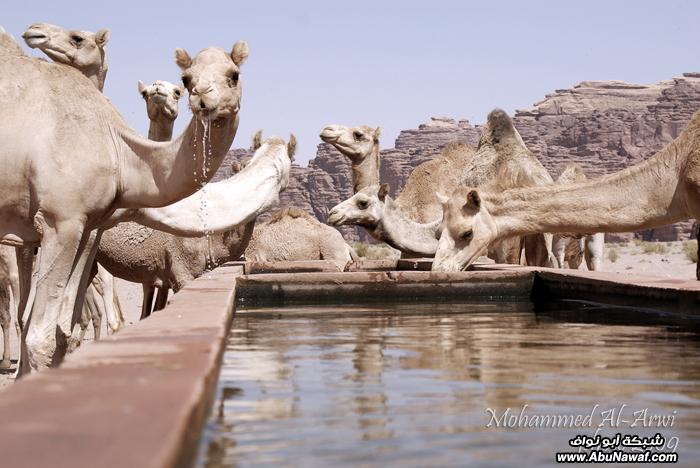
(291, 267)
(660, 294)
(357, 287)
(372, 265)
(136, 399)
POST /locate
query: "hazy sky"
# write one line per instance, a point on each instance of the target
(393, 64)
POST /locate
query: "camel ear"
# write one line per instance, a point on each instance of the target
(239, 53)
(383, 191)
(442, 199)
(102, 37)
(142, 89)
(257, 141)
(473, 200)
(183, 59)
(377, 133)
(292, 146)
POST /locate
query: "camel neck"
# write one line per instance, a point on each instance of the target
(366, 171)
(404, 234)
(161, 129)
(161, 173)
(642, 196)
(223, 205)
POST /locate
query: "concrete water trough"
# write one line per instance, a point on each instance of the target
(141, 397)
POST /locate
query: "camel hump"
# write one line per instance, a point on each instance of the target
(457, 147)
(8, 44)
(291, 212)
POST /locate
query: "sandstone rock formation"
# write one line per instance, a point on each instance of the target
(602, 125)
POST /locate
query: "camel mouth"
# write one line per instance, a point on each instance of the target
(328, 138)
(335, 219)
(216, 115)
(35, 39)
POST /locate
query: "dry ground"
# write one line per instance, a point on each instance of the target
(665, 259)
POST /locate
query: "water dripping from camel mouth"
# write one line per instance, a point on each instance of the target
(205, 170)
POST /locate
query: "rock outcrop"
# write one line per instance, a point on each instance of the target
(604, 126)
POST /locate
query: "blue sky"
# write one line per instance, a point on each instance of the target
(392, 64)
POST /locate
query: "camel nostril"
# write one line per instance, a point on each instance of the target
(202, 105)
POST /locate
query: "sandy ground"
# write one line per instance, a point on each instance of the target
(631, 259)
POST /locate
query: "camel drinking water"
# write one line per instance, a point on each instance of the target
(661, 190)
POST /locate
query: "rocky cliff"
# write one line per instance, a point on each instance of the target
(602, 125)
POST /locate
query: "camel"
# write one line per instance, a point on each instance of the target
(8, 45)
(162, 100)
(501, 160)
(571, 250)
(157, 259)
(360, 145)
(82, 50)
(220, 206)
(373, 209)
(660, 190)
(85, 61)
(87, 162)
(293, 234)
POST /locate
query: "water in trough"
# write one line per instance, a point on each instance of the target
(450, 385)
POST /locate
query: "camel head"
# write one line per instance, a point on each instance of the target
(161, 99)
(365, 208)
(212, 80)
(500, 130)
(271, 148)
(466, 232)
(83, 50)
(356, 143)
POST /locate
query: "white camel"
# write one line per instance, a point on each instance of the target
(661, 190)
(225, 212)
(82, 50)
(86, 163)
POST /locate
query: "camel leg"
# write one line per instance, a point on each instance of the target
(74, 294)
(576, 249)
(83, 323)
(48, 327)
(559, 249)
(148, 291)
(25, 262)
(27, 291)
(162, 298)
(97, 310)
(5, 321)
(594, 251)
(111, 305)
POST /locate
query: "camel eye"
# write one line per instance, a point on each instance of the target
(186, 81)
(362, 204)
(233, 79)
(357, 135)
(467, 235)
(177, 93)
(77, 39)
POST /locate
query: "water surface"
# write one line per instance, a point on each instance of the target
(417, 384)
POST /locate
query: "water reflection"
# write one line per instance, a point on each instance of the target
(410, 384)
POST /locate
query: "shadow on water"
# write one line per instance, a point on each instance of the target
(417, 384)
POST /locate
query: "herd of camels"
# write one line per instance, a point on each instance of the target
(85, 198)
